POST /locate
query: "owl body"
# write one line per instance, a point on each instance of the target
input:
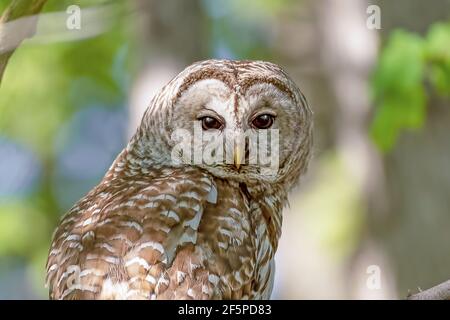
(158, 229)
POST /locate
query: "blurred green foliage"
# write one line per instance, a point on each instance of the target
(43, 87)
(408, 65)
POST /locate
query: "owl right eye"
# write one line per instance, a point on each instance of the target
(209, 123)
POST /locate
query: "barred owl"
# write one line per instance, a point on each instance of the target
(156, 228)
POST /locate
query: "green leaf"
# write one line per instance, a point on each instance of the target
(398, 89)
(438, 53)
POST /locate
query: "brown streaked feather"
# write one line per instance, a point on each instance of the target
(145, 243)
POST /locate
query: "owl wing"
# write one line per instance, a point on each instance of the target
(178, 235)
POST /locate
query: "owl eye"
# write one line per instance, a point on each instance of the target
(263, 121)
(209, 123)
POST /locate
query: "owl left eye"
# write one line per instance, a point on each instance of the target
(210, 123)
(263, 121)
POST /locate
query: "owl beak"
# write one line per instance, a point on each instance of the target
(237, 156)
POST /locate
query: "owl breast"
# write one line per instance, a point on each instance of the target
(174, 234)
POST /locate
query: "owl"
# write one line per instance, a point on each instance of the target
(159, 226)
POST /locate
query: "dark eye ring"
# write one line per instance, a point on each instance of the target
(263, 121)
(209, 123)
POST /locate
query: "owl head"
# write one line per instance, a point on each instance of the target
(240, 120)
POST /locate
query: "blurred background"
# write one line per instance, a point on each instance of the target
(376, 200)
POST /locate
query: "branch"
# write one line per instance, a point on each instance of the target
(439, 292)
(16, 10)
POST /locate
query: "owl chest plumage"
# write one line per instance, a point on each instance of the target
(173, 233)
